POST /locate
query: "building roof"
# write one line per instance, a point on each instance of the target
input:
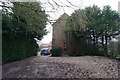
(62, 17)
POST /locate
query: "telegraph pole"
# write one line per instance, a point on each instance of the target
(119, 7)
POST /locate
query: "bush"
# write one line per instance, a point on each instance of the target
(16, 49)
(87, 49)
(56, 51)
(113, 49)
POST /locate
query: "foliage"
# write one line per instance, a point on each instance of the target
(76, 23)
(97, 25)
(21, 24)
(16, 49)
(94, 24)
(119, 47)
(113, 49)
(110, 21)
(87, 49)
(26, 19)
(56, 51)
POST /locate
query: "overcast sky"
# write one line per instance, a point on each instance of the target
(76, 4)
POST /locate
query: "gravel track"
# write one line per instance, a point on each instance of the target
(62, 67)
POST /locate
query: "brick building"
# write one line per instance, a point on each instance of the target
(59, 39)
(47, 45)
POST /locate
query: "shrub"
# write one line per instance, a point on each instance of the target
(16, 49)
(113, 49)
(56, 51)
(88, 49)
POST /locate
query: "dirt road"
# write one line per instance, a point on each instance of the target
(62, 67)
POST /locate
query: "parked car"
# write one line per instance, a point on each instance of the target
(45, 51)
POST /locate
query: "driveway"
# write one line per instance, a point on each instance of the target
(62, 67)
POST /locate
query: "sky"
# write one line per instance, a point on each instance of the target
(76, 4)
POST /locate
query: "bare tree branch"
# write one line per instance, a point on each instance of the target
(49, 6)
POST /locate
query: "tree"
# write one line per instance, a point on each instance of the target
(20, 26)
(94, 25)
(110, 22)
(76, 23)
(99, 25)
(50, 6)
(30, 21)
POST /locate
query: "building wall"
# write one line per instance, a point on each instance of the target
(49, 46)
(59, 36)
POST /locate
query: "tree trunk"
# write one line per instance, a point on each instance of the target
(106, 47)
(102, 40)
(97, 40)
(93, 37)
